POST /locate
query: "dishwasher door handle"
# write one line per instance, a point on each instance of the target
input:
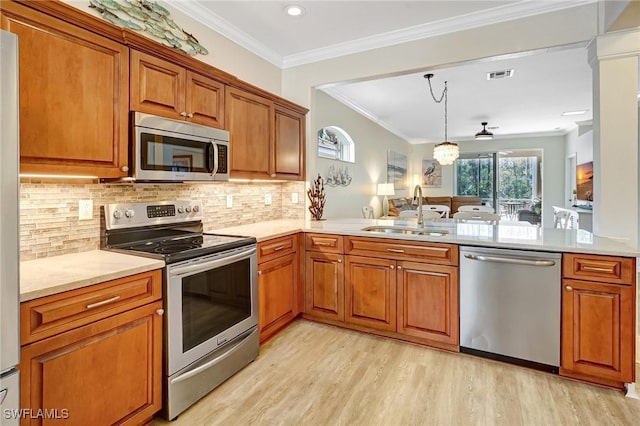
(510, 260)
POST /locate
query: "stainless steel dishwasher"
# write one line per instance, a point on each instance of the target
(510, 306)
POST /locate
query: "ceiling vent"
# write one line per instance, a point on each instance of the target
(495, 75)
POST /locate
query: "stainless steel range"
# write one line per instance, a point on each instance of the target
(210, 290)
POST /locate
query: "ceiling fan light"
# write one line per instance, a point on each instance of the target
(446, 153)
(484, 134)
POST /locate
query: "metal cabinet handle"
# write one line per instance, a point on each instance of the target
(160, 312)
(569, 288)
(280, 247)
(183, 114)
(596, 269)
(190, 115)
(259, 272)
(104, 302)
(395, 250)
(321, 244)
(399, 268)
(339, 260)
(392, 267)
(124, 168)
(273, 175)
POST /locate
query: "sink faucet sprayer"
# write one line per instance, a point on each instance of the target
(418, 189)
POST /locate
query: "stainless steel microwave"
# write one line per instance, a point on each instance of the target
(173, 150)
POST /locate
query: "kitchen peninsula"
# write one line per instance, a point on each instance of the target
(397, 285)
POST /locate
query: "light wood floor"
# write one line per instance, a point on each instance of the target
(314, 374)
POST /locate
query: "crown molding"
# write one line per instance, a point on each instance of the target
(364, 112)
(472, 20)
(197, 11)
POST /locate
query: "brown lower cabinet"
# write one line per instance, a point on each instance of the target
(106, 371)
(428, 302)
(278, 278)
(598, 318)
(377, 290)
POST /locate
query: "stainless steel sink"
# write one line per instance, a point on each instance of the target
(405, 230)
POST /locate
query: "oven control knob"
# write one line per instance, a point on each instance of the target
(196, 209)
(188, 209)
(129, 213)
(180, 209)
(117, 214)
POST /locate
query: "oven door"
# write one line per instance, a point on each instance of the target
(210, 301)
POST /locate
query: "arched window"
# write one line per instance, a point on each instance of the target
(335, 143)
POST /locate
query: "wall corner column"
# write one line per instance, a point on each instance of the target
(614, 60)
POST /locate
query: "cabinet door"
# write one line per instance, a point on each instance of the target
(204, 100)
(250, 122)
(370, 287)
(597, 330)
(276, 293)
(107, 372)
(324, 276)
(289, 144)
(428, 301)
(74, 97)
(157, 86)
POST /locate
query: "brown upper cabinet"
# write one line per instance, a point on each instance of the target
(74, 96)
(163, 88)
(267, 140)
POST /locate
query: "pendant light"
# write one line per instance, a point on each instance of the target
(484, 134)
(445, 152)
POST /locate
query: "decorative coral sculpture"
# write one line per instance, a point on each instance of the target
(316, 196)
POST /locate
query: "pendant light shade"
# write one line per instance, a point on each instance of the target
(484, 134)
(445, 152)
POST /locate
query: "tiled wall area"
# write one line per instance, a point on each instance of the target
(49, 224)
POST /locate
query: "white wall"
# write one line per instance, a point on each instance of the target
(371, 145)
(580, 142)
(223, 53)
(553, 164)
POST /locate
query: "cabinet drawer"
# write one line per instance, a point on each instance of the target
(618, 270)
(272, 249)
(324, 242)
(445, 254)
(47, 316)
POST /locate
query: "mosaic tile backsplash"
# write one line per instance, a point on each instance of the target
(49, 224)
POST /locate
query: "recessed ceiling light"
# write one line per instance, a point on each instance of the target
(580, 112)
(294, 10)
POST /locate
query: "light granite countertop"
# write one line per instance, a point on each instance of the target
(43, 277)
(514, 235)
(51, 275)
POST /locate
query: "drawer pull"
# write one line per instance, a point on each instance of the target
(321, 244)
(104, 302)
(392, 267)
(339, 260)
(279, 248)
(395, 250)
(596, 269)
(569, 288)
(160, 312)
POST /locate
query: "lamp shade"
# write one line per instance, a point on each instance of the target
(385, 189)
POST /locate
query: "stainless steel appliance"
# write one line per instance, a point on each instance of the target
(9, 243)
(510, 306)
(173, 150)
(211, 294)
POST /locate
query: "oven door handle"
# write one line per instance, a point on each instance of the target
(201, 267)
(208, 364)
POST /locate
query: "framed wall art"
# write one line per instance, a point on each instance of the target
(397, 170)
(431, 174)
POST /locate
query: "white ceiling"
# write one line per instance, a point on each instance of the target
(544, 84)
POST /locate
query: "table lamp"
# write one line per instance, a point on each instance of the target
(385, 189)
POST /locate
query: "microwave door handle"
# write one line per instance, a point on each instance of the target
(215, 157)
